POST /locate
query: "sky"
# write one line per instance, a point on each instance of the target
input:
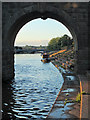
(39, 32)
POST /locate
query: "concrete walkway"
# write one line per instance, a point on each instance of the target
(85, 98)
(63, 106)
(71, 87)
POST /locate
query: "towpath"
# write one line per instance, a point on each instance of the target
(64, 107)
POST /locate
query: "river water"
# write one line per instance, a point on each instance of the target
(33, 91)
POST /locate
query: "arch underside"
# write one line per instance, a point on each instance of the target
(48, 12)
(20, 18)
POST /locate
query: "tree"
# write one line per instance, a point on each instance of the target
(57, 43)
(53, 44)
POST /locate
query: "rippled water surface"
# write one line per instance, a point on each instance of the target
(34, 89)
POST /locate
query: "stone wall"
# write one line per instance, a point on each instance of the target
(89, 36)
(73, 15)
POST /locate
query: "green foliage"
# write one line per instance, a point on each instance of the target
(78, 97)
(53, 44)
(83, 92)
(66, 101)
(59, 42)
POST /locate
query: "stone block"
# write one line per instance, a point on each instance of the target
(73, 15)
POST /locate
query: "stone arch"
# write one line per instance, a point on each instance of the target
(43, 11)
(32, 13)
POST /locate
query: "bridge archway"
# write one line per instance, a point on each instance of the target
(20, 18)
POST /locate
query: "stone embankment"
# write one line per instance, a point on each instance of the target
(66, 105)
(70, 102)
(65, 59)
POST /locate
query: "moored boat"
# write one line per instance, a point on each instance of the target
(45, 58)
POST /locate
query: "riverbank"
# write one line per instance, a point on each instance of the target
(66, 105)
(65, 63)
(85, 97)
(65, 59)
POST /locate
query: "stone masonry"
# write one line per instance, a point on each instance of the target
(16, 14)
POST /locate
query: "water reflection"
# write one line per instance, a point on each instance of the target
(7, 101)
(34, 89)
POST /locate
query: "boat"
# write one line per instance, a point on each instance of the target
(45, 58)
